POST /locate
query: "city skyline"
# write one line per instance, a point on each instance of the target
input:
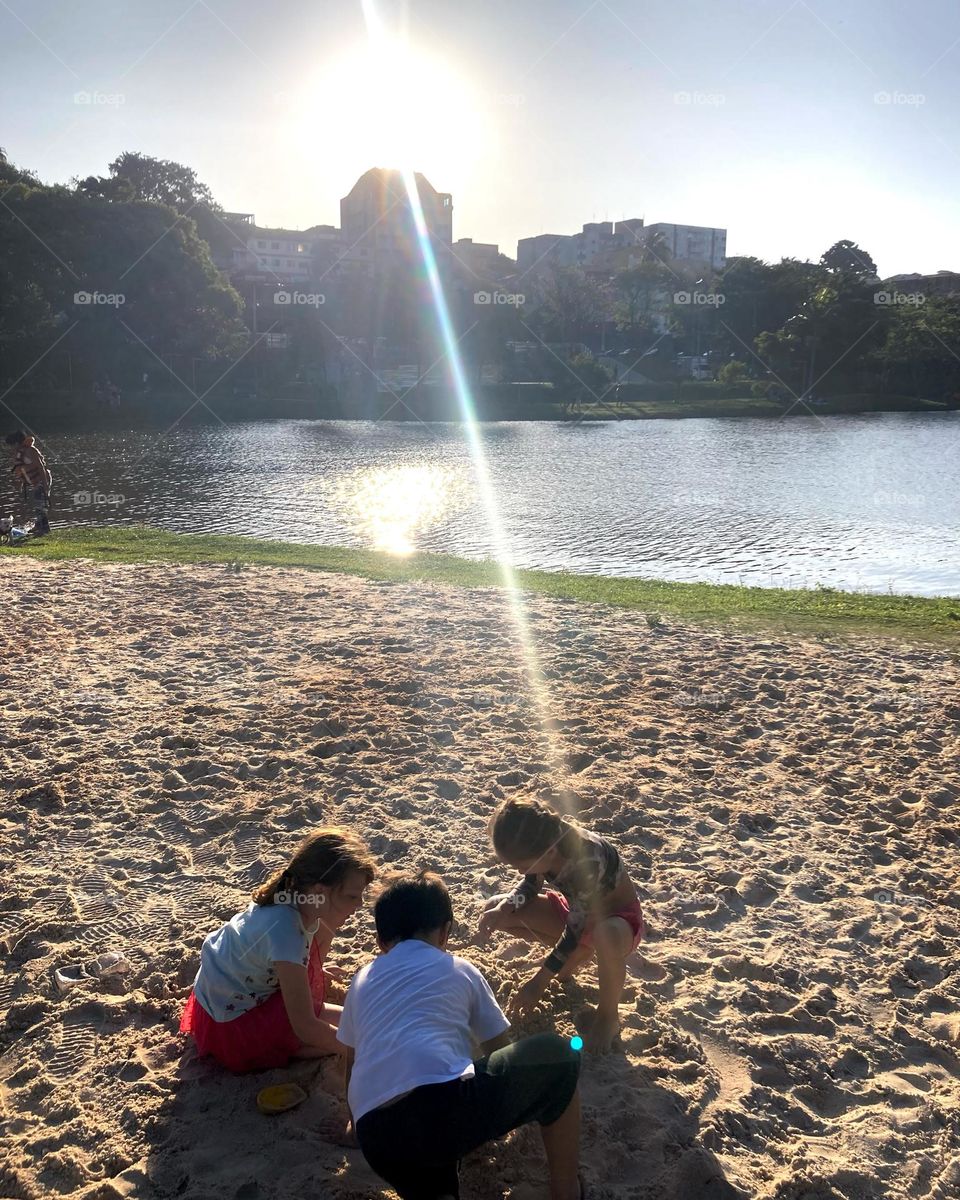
(790, 125)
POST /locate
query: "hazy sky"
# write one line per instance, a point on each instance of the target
(792, 123)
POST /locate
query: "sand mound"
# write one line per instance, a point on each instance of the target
(788, 808)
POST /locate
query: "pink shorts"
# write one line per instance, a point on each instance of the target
(632, 915)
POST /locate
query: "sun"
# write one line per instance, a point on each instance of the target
(387, 103)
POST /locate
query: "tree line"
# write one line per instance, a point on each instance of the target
(117, 272)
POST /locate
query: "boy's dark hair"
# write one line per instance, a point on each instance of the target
(411, 905)
(17, 438)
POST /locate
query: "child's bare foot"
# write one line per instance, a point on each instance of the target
(602, 1032)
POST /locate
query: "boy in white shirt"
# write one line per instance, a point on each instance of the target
(418, 1100)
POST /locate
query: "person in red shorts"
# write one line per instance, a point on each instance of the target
(259, 997)
(590, 907)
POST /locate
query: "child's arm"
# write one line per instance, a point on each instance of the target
(298, 1001)
(351, 1128)
(510, 901)
(527, 890)
(495, 1043)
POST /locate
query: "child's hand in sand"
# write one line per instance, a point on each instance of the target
(491, 914)
(526, 998)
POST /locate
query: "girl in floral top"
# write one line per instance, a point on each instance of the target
(590, 907)
(258, 999)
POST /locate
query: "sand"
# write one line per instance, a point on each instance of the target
(786, 805)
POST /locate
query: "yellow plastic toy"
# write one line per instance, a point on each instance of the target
(280, 1098)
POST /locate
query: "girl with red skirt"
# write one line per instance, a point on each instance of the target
(259, 997)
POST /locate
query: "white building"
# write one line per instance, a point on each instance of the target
(698, 244)
(278, 253)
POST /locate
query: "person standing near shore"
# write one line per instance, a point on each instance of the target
(259, 996)
(31, 473)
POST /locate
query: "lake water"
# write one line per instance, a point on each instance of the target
(862, 502)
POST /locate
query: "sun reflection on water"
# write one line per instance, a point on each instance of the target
(391, 506)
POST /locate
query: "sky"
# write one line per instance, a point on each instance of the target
(790, 123)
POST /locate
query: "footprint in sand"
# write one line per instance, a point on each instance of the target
(104, 933)
(76, 1046)
(10, 926)
(8, 985)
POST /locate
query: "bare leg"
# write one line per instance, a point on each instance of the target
(561, 1141)
(612, 939)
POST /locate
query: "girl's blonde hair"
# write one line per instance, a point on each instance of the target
(528, 828)
(327, 856)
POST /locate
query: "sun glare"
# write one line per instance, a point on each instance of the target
(390, 506)
(385, 103)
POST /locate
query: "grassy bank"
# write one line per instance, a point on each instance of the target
(817, 609)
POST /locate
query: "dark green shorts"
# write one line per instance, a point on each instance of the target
(416, 1143)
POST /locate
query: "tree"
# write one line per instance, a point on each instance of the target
(733, 372)
(921, 353)
(639, 292)
(846, 258)
(761, 297)
(568, 305)
(59, 245)
(829, 337)
(163, 181)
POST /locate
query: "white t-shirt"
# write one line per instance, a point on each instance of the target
(409, 1015)
(236, 962)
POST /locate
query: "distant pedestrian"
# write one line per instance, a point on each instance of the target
(31, 473)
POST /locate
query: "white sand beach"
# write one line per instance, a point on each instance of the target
(786, 805)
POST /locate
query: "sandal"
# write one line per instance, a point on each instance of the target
(111, 963)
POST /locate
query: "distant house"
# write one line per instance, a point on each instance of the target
(941, 283)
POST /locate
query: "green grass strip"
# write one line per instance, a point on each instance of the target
(818, 609)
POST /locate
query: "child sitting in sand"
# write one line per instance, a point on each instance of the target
(258, 999)
(417, 1098)
(591, 907)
